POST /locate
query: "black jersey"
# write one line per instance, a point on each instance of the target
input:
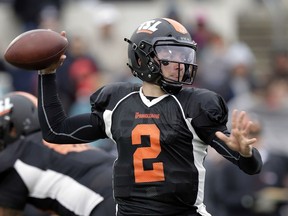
(161, 143)
(71, 184)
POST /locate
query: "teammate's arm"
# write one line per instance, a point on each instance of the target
(10, 212)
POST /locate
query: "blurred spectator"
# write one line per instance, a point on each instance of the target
(273, 111)
(23, 80)
(250, 195)
(280, 64)
(269, 100)
(241, 65)
(276, 94)
(227, 69)
(105, 17)
(213, 67)
(84, 75)
(49, 18)
(107, 23)
(201, 33)
(244, 84)
(246, 100)
(70, 78)
(172, 10)
(29, 12)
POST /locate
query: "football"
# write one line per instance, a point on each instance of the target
(36, 49)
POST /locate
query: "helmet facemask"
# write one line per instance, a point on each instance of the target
(177, 61)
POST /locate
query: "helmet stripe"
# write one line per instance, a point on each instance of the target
(177, 26)
(29, 96)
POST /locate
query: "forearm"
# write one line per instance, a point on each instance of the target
(50, 110)
(10, 212)
(250, 165)
(56, 126)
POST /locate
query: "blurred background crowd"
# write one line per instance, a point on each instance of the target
(242, 55)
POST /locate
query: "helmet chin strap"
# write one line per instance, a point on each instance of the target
(170, 88)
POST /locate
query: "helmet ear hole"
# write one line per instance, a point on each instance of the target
(11, 129)
(138, 60)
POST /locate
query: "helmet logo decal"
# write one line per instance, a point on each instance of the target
(177, 26)
(5, 106)
(148, 27)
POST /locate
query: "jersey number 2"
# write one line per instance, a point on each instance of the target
(157, 173)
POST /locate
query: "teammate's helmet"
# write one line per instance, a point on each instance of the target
(147, 45)
(18, 117)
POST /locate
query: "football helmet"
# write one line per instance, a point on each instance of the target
(18, 117)
(157, 43)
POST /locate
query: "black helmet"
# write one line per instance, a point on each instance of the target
(152, 38)
(18, 117)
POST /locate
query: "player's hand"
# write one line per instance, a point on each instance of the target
(52, 68)
(238, 139)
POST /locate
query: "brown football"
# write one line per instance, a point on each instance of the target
(36, 49)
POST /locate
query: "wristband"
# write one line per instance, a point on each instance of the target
(44, 72)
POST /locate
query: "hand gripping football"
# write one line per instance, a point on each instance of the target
(36, 49)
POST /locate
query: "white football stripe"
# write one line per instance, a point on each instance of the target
(50, 184)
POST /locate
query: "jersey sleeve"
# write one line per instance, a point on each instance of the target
(213, 116)
(59, 128)
(100, 100)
